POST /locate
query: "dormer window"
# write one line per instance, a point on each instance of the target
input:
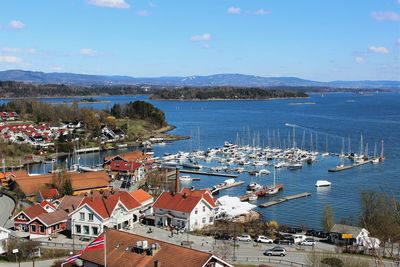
(196, 211)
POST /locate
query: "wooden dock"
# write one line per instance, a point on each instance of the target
(284, 199)
(223, 187)
(348, 167)
(209, 173)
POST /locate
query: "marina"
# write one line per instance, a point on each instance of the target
(226, 185)
(348, 167)
(209, 173)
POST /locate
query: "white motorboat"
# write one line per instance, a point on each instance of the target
(253, 186)
(322, 183)
(264, 171)
(253, 197)
(185, 178)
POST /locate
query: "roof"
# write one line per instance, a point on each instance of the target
(53, 217)
(104, 206)
(121, 165)
(70, 203)
(49, 193)
(44, 203)
(184, 201)
(130, 156)
(79, 180)
(346, 229)
(119, 253)
(33, 211)
(141, 196)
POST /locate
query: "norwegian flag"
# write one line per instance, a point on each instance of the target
(95, 244)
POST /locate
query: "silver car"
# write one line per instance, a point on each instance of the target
(275, 251)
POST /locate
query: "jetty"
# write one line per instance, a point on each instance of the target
(219, 187)
(209, 173)
(284, 199)
(348, 167)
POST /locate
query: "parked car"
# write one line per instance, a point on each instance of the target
(308, 242)
(284, 241)
(275, 251)
(311, 232)
(264, 239)
(244, 238)
(298, 238)
(223, 236)
(322, 234)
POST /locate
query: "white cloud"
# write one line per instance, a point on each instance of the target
(234, 10)
(378, 49)
(201, 37)
(388, 15)
(10, 59)
(109, 3)
(57, 68)
(262, 12)
(207, 46)
(143, 13)
(16, 24)
(88, 52)
(359, 60)
(10, 49)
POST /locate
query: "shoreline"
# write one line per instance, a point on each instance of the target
(230, 99)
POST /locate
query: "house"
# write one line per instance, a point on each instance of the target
(48, 206)
(128, 170)
(135, 156)
(188, 209)
(48, 194)
(115, 209)
(4, 235)
(70, 203)
(22, 219)
(127, 249)
(352, 235)
(47, 224)
(8, 116)
(145, 199)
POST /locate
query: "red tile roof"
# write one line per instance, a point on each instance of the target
(33, 211)
(51, 218)
(120, 165)
(120, 245)
(49, 193)
(141, 196)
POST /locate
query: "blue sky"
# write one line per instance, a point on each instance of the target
(318, 40)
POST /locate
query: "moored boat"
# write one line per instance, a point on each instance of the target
(322, 183)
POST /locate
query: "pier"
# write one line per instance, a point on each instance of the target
(284, 199)
(220, 187)
(348, 167)
(209, 173)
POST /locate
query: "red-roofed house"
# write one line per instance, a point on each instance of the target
(48, 194)
(48, 206)
(22, 219)
(118, 210)
(47, 224)
(134, 171)
(189, 209)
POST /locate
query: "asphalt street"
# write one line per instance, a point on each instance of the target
(6, 208)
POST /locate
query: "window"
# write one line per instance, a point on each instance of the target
(78, 229)
(91, 216)
(95, 230)
(196, 211)
(203, 220)
(41, 229)
(211, 219)
(195, 222)
(33, 228)
(81, 216)
(85, 229)
(204, 208)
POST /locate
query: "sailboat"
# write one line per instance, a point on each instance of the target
(274, 189)
(375, 160)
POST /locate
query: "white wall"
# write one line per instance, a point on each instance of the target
(97, 221)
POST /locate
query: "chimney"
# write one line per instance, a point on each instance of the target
(184, 195)
(157, 263)
(177, 189)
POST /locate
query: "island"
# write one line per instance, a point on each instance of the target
(225, 93)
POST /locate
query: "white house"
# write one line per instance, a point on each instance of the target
(356, 235)
(188, 209)
(4, 235)
(119, 210)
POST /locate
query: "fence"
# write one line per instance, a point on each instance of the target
(61, 245)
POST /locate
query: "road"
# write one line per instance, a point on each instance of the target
(6, 208)
(38, 263)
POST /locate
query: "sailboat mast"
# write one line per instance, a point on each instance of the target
(382, 152)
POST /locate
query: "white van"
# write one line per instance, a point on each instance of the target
(299, 238)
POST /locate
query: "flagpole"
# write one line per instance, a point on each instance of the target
(105, 247)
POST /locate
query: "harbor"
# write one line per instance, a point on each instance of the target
(209, 173)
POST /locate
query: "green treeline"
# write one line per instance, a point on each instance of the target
(139, 110)
(12, 89)
(190, 93)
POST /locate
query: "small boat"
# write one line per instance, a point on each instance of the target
(264, 171)
(322, 183)
(253, 186)
(185, 178)
(90, 169)
(375, 160)
(295, 166)
(253, 197)
(325, 154)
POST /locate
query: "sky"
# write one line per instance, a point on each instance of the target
(318, 40)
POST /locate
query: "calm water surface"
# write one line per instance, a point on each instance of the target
(210, 123)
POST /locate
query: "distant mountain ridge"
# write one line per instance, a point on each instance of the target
(211, 80)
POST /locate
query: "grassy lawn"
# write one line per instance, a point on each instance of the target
(136, 128)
